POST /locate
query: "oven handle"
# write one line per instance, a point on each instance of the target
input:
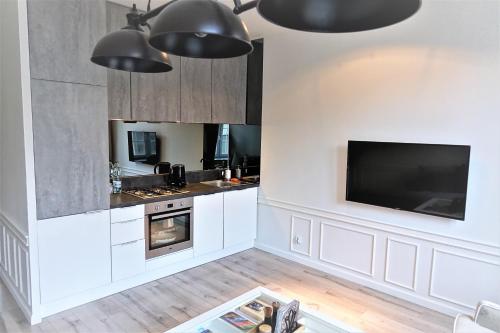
(182, 212)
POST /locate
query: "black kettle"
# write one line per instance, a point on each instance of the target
(178, 176)
(162, 168)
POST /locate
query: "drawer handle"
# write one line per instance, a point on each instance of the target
(128, 221)
(129, 243)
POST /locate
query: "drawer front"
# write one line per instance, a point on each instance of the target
(128, 260)
(127, 213)
(127, 231)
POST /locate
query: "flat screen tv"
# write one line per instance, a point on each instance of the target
(422, 178)
(143, 147)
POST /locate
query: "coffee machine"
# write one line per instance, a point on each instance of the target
(178, 176)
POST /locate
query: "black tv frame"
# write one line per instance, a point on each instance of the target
(467, 147)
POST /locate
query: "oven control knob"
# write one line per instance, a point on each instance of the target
(181, 204)
(157, 208)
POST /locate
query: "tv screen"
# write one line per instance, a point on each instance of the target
(423, 178)
(143, 147)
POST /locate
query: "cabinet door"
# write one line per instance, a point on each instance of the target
(196, 90)
(74, 254)
(240, 216)
(229, 90)
(129, 259)
(70, 137)
(156, 96)
(62, 36)
(118, 81)
(208, 232)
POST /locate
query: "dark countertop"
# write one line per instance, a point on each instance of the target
(126, 200)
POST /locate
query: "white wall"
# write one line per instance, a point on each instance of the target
(180, 143)
(17, 179)
(434, 78)
(13, 200)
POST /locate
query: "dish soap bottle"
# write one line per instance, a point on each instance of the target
(227, 174)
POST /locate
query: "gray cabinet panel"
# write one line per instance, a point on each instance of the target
(71, 148)
(156, 96)
(62, 36)
(196, 90)
(229, 90)
(118, 81)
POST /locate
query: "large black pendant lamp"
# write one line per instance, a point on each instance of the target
(200, 29)
(128, 49)
(336, 15)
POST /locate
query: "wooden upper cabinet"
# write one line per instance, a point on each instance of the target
(229, 90)
(62, 36)
(118, 81)
(156, 96)
(196, 90)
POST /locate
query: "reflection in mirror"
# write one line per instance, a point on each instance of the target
(174, 143)
(139, 146)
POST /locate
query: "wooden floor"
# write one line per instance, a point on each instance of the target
(162, 304)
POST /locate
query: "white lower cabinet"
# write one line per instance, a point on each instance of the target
(240, 216)
(74, 254)
(128, 259)
(128, 251)
(127, 231)
(208, 232)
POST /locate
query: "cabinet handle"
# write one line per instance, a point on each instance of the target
(128, 221)
(128, 243)
(94, 211)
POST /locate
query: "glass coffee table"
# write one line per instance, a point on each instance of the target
(313, 321)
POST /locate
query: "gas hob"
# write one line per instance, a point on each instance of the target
(154, 192)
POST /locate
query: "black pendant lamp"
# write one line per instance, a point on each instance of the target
(128, 49)
(336, 15)
(200, 29)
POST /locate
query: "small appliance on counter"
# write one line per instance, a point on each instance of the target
(178, 176)
(162, 168)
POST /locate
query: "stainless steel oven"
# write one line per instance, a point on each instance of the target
(168, 227)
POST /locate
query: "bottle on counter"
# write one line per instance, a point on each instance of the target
(237, 172)
(116, 177)
(227, 174)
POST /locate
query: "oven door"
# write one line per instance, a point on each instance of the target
(168, 232)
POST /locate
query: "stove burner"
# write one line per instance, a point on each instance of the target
(154, 192)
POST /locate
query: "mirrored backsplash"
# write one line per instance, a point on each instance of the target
(139, 146)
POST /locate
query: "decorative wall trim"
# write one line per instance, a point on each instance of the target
(14, 265)
(434, 294)
(390, 240)
(480, 247)
(371, 272)
(309, 253)
(395, 280)
(20, 234)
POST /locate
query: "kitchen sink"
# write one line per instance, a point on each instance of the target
(222, 183)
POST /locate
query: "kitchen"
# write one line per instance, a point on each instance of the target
(203, 118)
(328, 155)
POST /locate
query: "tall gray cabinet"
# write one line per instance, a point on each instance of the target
(69, 105)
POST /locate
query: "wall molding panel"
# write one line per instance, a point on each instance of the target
(474, 275)
(14, 264)
(351, 249)
(294, 247)
(389, 262)
(423, 268)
